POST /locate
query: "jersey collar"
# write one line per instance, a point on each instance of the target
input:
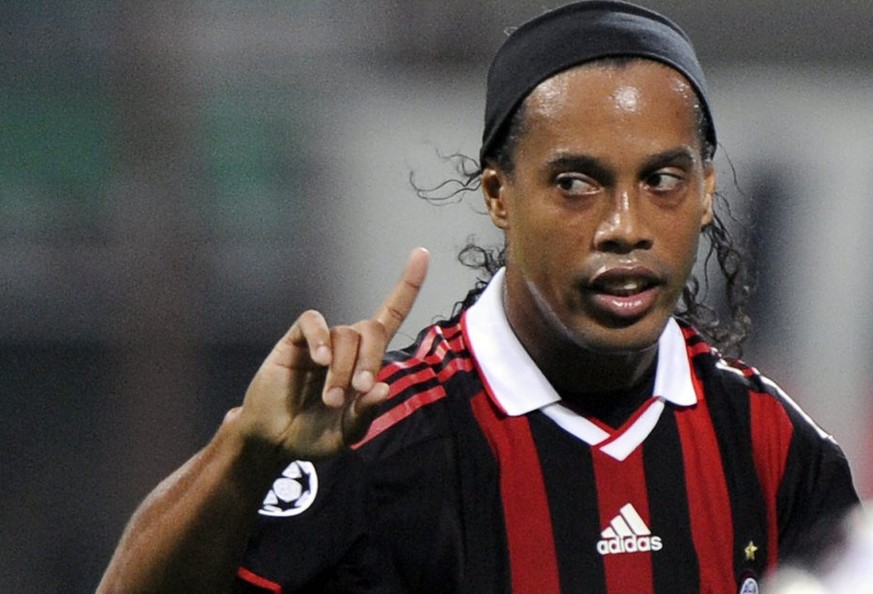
(518, 386)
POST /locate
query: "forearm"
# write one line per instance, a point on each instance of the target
(190, 533)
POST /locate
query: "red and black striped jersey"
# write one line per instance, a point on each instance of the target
(475, 478)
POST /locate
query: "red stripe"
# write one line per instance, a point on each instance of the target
(449, 334)
(442, 340)
(410, 380)
(258, 581)
(434, 335)
(396, 367)
(399, 384)
(401, 411)
(708, 500)
(695, 345)
(534, 565)
(701, 348)
(407, 381)
(453, 366)
(619, 484)
(446, 340)
(771, 435)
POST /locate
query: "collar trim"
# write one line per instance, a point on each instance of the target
(518, 387)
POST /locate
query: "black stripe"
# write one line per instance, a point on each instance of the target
(435, 478)
(413, 390)
(729, 409)
(401, 372)
(568, 473)
(814, 494)
(429, 378)
(449, 331)
(485, 550)
(663, 463)
(426, 423)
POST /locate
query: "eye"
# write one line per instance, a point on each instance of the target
(575, 184)
(664, 181)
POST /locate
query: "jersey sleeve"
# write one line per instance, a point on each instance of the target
(315, 532)
(815, 493)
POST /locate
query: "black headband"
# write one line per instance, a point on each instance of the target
(578, 33)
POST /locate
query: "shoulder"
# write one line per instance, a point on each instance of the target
(750, 410)
(438, 352)
(422, 378)
(734, 382)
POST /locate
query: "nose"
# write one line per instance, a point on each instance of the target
(622, 227)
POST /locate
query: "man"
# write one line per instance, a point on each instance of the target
(564, 433)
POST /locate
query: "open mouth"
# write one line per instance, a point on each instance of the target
(624, 294)
(626, 287)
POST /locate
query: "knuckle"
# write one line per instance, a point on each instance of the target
(372, 328)
(395, 314)
(411, 285)
(345, 333)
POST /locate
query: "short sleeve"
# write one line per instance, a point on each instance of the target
(815, 494)
(315, 532)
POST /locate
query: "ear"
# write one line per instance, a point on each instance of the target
(708, 194)
(494, 191)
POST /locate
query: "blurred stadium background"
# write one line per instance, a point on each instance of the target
(178, 180)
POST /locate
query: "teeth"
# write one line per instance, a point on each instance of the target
(624, 287)
(630, 286)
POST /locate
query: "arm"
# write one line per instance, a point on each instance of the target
(314, 394)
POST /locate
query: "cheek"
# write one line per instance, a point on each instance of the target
(681, 242)
(545, 236)
(681, 225)
(523, 229)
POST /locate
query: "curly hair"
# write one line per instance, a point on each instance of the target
(722, 245)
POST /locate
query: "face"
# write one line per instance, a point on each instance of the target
(603, 209)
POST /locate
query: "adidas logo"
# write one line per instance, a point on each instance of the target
(627, 533)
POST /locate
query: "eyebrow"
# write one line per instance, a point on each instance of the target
(683, 155)
(586, 163)
(599, 169)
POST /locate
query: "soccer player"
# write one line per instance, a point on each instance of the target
(569, 430)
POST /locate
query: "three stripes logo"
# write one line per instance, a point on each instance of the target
(627, 533)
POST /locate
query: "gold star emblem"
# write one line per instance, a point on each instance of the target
(750, 551)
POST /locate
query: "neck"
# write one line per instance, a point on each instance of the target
(573, 369)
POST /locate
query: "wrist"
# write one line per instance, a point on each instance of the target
(252, 458)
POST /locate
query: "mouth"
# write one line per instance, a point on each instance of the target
(622, 287)
(624, 294)
(624, 282)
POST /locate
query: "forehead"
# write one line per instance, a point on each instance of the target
(620, 104)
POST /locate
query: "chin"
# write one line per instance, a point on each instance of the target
(609, 346)
(584, 330)
(632, 338)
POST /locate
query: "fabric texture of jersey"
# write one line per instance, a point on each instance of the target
(474, 478)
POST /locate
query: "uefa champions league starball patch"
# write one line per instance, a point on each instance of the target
(293, 492)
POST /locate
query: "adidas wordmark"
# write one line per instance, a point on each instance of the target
(627, 533)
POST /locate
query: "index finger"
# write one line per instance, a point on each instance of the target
(399, 301)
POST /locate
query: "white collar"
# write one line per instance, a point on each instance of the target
(518, 386)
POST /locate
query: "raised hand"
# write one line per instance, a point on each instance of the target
(316, 391)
